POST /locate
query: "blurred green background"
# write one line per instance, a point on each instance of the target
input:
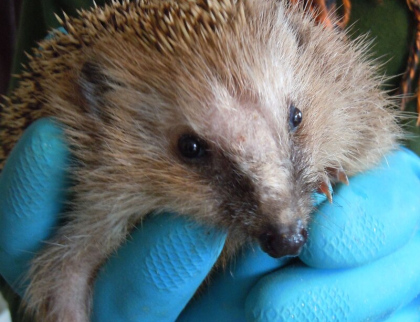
(391, 25)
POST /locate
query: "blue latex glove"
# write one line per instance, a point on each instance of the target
(155, 274)
(32, 191)
(151, 278)
(361, 258)
(372, 226)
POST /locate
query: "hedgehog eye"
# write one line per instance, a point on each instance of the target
(295, 117)
(192, 147)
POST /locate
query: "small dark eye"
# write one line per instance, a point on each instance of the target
(295, 117)
(191, 147)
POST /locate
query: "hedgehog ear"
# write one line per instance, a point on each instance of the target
(94, 84)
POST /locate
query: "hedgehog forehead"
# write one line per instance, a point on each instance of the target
(243, 133)
(249, 121)
(243, 129)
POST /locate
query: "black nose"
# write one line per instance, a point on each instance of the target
(283, 241)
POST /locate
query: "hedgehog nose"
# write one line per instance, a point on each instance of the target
(283, 241)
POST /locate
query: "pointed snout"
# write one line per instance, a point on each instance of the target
(283, 241)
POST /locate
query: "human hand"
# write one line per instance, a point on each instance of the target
(125, 293)
(361, 261)
(151, 278)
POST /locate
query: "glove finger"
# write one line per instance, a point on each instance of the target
(154, 275)
(32, 190)
(224, 299)
(373, 216)
(364, 293)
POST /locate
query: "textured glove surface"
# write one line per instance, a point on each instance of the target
(375, 215)
(32, 190)
(365, 247)
(156, 273)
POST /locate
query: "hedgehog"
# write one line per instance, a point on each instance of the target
(234, 112)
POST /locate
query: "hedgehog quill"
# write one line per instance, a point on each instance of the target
(232, 111)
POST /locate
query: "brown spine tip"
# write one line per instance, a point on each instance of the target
(60, 21)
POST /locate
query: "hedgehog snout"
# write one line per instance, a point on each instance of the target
(283, 241)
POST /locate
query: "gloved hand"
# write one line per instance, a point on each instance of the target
(361, 259)
(156, 273)
(151, 278)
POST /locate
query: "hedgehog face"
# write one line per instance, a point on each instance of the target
(255, 189)
(246, 151)
(195, 144)
(235, 121)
